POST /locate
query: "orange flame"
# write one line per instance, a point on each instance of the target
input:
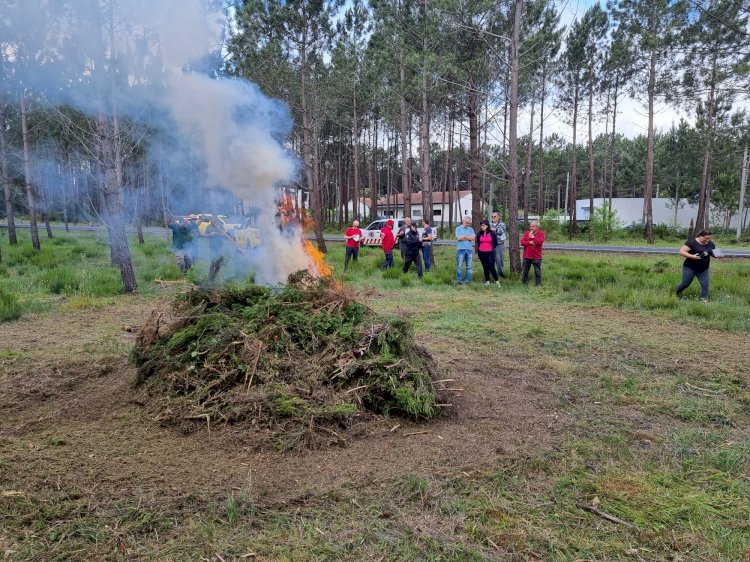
(318, 266)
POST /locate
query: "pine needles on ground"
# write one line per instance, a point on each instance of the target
(302, 362)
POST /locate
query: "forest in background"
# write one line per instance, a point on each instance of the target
(382, 97)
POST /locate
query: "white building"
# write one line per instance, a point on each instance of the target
(630, 211)
(393, 206)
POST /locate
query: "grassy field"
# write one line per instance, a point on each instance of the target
(599, 390)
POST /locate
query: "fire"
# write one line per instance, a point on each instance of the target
(318, 266)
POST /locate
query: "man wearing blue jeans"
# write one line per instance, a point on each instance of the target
(426, 244)
(465, 237)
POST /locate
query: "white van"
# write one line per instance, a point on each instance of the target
(372, 237)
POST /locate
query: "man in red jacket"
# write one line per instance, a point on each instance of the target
(532, 252)
(388, 242)
(353, 235)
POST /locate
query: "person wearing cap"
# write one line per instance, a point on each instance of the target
(388, 241)
(486, 244)
(353, 235)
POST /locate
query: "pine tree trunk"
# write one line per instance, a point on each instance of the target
(342, 182)
(591, 158)
(540, 196)
(357, 165)
(65, 191)
(307, 149)
(513, 239)
(704, 198)
(12, 237)
(374, 174)
(449, 181)
(503, 181)
(527, 169)
(474, 179)
(405, 181)
(571, 210)
(112, 211)
(649, 177)
(27, 175)
(425, 171)
(613, 143)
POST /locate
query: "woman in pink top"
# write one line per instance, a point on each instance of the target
(486, 242)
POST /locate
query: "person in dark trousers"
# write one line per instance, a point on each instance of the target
(353, 235)
(532, 252)
(486, 243)
(427, 244)
(401, 235)
(388, 241)
(412, 247)
(697, 253)
(182, 243)
(498, 227)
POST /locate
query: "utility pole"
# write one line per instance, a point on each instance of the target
(743, 187)
(567, 184)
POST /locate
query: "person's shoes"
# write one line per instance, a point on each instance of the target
(486, 282)
(459, 283)
(706, 301)
(498, 283)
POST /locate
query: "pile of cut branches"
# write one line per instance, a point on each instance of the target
(300, 363)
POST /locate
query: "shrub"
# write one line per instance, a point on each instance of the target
(62, 279)
(10, 309)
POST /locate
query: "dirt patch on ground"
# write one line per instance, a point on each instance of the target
(71, 421)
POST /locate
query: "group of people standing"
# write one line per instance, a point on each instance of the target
(414, 246)
(489, 242)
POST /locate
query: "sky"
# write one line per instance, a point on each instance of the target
(632, 115)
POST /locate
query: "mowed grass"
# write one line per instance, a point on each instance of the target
(651, 409)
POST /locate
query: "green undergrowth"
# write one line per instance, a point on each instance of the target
(73, 269)
(303, 361)
(630, 282)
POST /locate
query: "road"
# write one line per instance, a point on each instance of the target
(728, 252)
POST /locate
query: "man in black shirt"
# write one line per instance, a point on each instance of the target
(697, 254)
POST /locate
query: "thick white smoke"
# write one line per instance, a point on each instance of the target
(229, 126)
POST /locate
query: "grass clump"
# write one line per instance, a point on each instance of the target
(303, 362)
(10, 308)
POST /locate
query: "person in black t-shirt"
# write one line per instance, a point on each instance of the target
(697, 254)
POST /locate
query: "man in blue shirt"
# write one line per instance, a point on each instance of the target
(465, 238)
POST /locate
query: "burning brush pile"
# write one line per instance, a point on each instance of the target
(300, 365)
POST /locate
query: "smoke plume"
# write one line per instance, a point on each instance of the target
(158, 61)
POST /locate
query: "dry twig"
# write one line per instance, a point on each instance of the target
(604, 515)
